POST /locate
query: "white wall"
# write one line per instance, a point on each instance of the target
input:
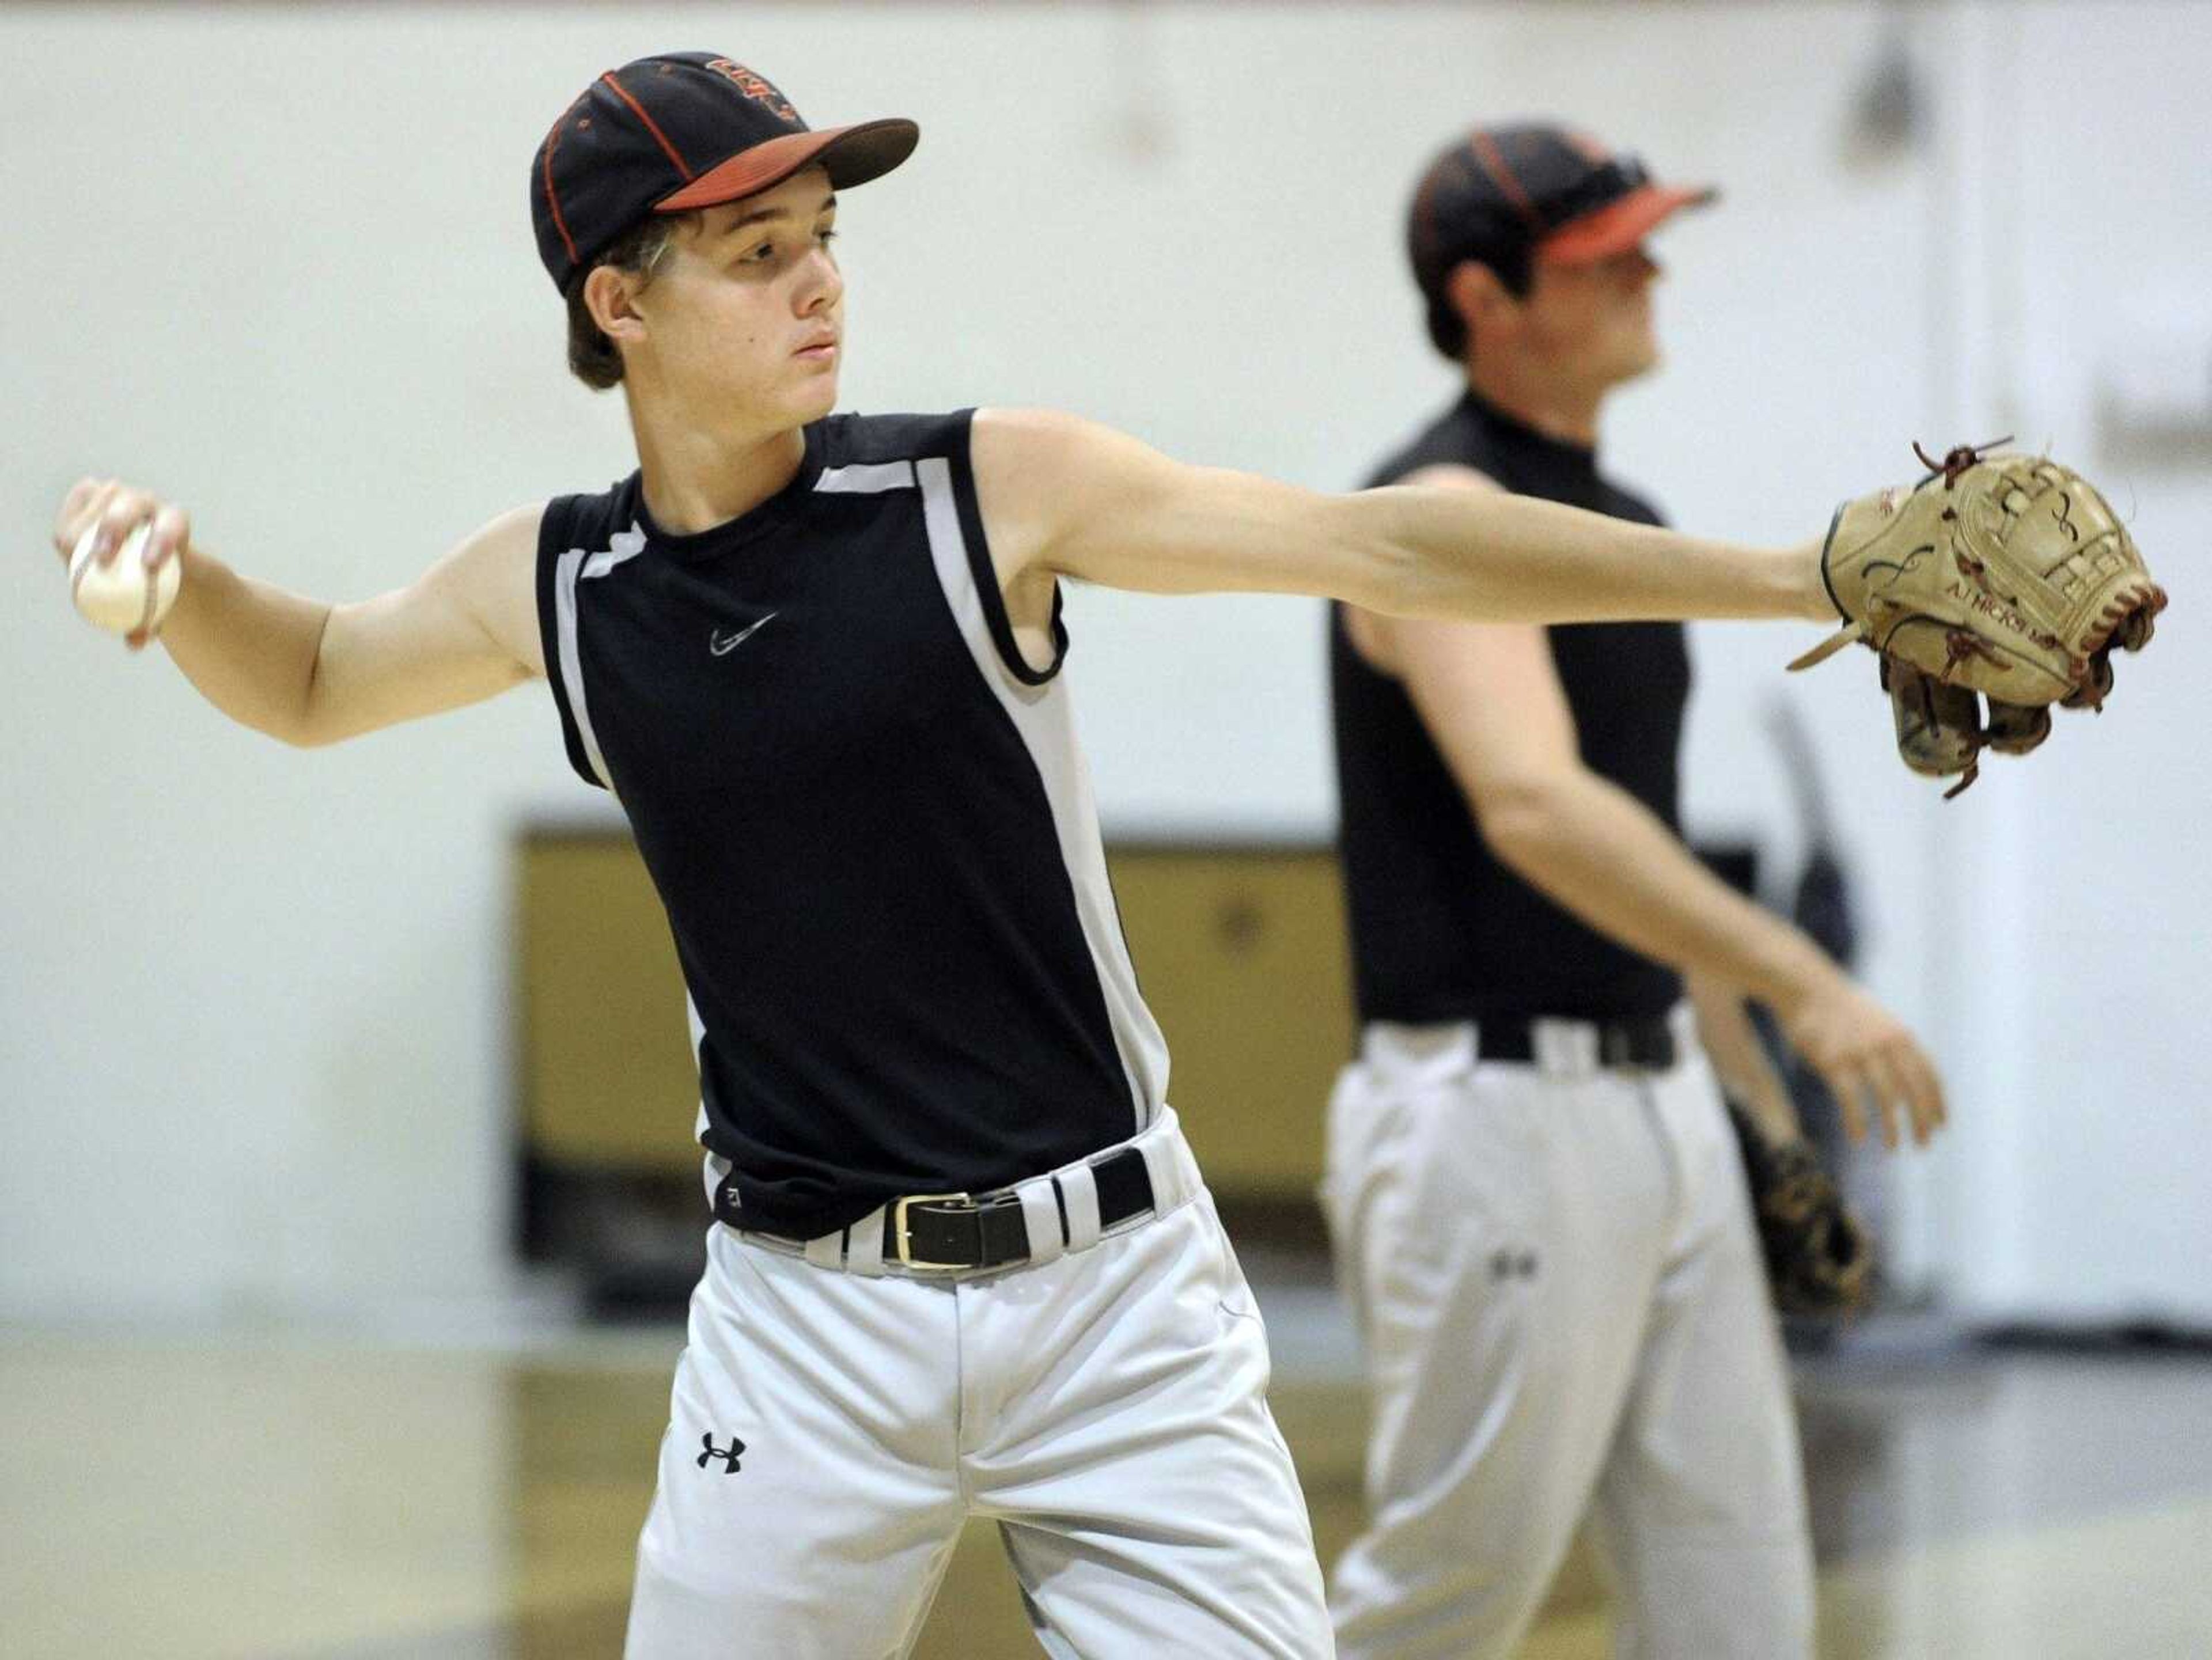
(2079, 1184)
(275, 260)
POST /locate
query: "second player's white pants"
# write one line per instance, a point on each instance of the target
(1107, 1409)
(1563, 1308)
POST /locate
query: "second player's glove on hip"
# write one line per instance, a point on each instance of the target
(2005, 577)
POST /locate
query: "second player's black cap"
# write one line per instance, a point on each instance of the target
(1511, 195)
(680, 131)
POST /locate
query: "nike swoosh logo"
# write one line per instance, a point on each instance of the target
(722, 644)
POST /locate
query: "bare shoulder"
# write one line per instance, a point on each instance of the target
(511, 536)
(1017, 431)
(491, 577)
(1074, 497)
(1033, 467)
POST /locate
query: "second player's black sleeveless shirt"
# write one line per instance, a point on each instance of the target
(1440, 930)
(869, 824)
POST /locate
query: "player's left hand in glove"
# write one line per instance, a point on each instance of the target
(1818, 1259)
(2005, 577)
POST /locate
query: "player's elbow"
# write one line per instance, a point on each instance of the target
(307, 724)
(1522, 815)
(299, 729)
(293, 727)
(303, 734)
(320, 721)
(1371, 566)
(1401, 582)
(1411, 562)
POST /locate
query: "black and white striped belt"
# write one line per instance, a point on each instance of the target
(957, 1233)
(953, 1231)
(1619, 1042)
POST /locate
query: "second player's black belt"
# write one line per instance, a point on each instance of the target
(1619, 1042)
(953, 1231)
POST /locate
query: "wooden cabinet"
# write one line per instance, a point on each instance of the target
(605, 1067)
(1240, 950)
(1242, 955)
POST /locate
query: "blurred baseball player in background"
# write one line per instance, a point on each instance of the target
(1531, 1184)
(963, 1262)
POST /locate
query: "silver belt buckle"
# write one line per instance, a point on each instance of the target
(903, 1238)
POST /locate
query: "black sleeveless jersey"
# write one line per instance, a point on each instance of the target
(869, 825)
(1440, 930)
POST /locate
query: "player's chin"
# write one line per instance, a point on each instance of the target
(1639, 357)
(812, 392)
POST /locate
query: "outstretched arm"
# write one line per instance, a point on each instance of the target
(1066, 496)
(311, 673)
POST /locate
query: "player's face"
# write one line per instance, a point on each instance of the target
(749, 311)
(1590, 323)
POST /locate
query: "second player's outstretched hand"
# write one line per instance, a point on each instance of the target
(114, 510)
(1868, 1058)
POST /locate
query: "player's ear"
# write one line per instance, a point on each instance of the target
(1475, 293)
(612, 296)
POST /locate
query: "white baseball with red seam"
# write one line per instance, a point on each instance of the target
(116, 595)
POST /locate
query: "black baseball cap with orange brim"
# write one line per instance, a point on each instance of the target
(1512, 197)
(677, 132)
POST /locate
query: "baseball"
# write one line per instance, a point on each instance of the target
(117, 596)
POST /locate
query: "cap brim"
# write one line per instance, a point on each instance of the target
(1619, 225)
(852, 154)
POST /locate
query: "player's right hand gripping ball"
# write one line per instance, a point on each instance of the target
(117, 595)
(2005, 577)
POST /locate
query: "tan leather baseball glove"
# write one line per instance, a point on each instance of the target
(2002, 577)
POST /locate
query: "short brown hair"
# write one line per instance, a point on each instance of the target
(592, 358)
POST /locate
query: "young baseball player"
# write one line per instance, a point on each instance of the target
(963, 1263)
(1533, 1186)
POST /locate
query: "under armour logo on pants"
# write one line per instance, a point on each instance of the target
(728, 1454)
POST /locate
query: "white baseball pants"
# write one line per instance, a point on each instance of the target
(1563, 1304)
(1108, 1407)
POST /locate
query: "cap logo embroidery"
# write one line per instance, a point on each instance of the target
(755, 87)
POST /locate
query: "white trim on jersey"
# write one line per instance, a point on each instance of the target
(572, 667)
(866, 479)
(1044, 716)
(621, 547)
(717, 1171)
(576, 564)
